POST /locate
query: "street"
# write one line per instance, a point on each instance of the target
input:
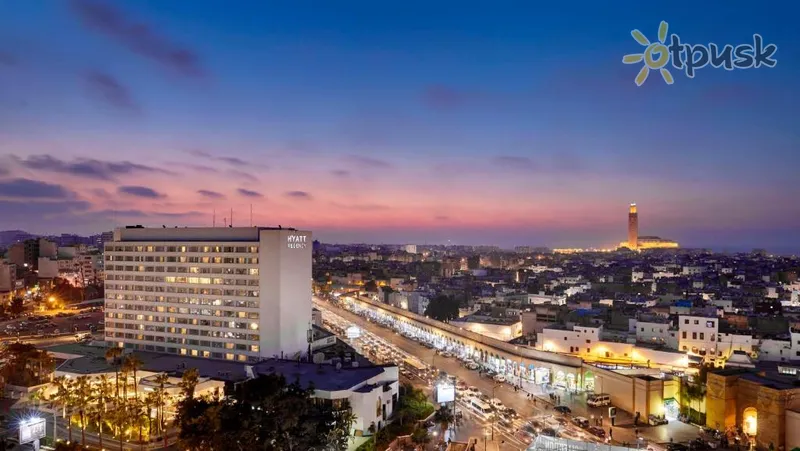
(538, 408)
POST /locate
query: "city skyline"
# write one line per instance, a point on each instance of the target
(503, 126)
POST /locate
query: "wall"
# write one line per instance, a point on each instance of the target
(792, 429)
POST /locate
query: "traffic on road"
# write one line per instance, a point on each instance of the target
(482, 412)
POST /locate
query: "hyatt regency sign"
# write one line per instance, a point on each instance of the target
(297, 241)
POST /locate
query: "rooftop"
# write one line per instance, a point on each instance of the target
(484, 319)
(323, 377)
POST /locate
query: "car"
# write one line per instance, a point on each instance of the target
(505, 421)
(549, 432)
(581, 422)
(524, 436)
(497, 404)
(597, 431)
(499, 378)
(656, 420)
(511, 413)
(461, 386)
(473, 391)
(564, 410)
(472, 366)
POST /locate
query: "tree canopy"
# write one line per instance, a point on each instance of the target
(26, 366)
(443, 308)
(264, 414)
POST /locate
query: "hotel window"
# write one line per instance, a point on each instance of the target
(696, 322)
(686, 321)
(684, 334)
(709, 323)
(694, 335)
(702, 336)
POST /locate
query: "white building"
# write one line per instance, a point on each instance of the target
(417, 302)
(240, 293)
(411, 248)
(698, 335)
(693, 270)
(656, 333)
(503, 329)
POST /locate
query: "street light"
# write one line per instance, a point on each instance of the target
(494, 417)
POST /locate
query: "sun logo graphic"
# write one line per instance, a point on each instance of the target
(655, 57)
(691, 57)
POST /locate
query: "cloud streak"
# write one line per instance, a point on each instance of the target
(111, 91)
(233, 161)
(33, 189)
(140, 191)
(299, 195)
(137, 37)
(249, 193)
(210, 194)
(96, 169)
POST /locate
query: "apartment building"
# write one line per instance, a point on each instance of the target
(236, 293)
(698, 335)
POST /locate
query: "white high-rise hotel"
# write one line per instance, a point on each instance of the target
(235, 293)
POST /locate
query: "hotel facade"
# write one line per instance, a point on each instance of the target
(235, 293)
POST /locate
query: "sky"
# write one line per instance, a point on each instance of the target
(508, 123)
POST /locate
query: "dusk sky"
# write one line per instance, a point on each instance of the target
(508, 123)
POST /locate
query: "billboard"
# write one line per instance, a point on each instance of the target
(445, 392)
(31, 430)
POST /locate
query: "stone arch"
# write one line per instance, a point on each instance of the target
(750, 421)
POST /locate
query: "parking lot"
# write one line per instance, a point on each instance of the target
(38, 326)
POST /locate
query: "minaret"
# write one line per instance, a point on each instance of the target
(633, 227)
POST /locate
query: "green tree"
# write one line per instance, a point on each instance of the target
(25, 365)
(420, 436)
(444, 417)
(113, 356)
(266, 413)
(443, 308)
(132, 364)
(83, 396)
(17, 306)
(371, 286)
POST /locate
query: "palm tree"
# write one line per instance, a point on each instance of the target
(83, 395)
(161, 394)
(97, 415)
(113, 355)
(134, 364)
(150, 402)
(64, 397)
(444, 417)
(189, 382)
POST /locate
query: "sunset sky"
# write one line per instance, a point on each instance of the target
(504, 123)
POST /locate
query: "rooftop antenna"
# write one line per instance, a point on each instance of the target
(214, 218)
(225, 222)
(231, 217)
(251, 215)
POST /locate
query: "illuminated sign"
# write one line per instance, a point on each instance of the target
(296, 241)
(31, 430)
(445, 392)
